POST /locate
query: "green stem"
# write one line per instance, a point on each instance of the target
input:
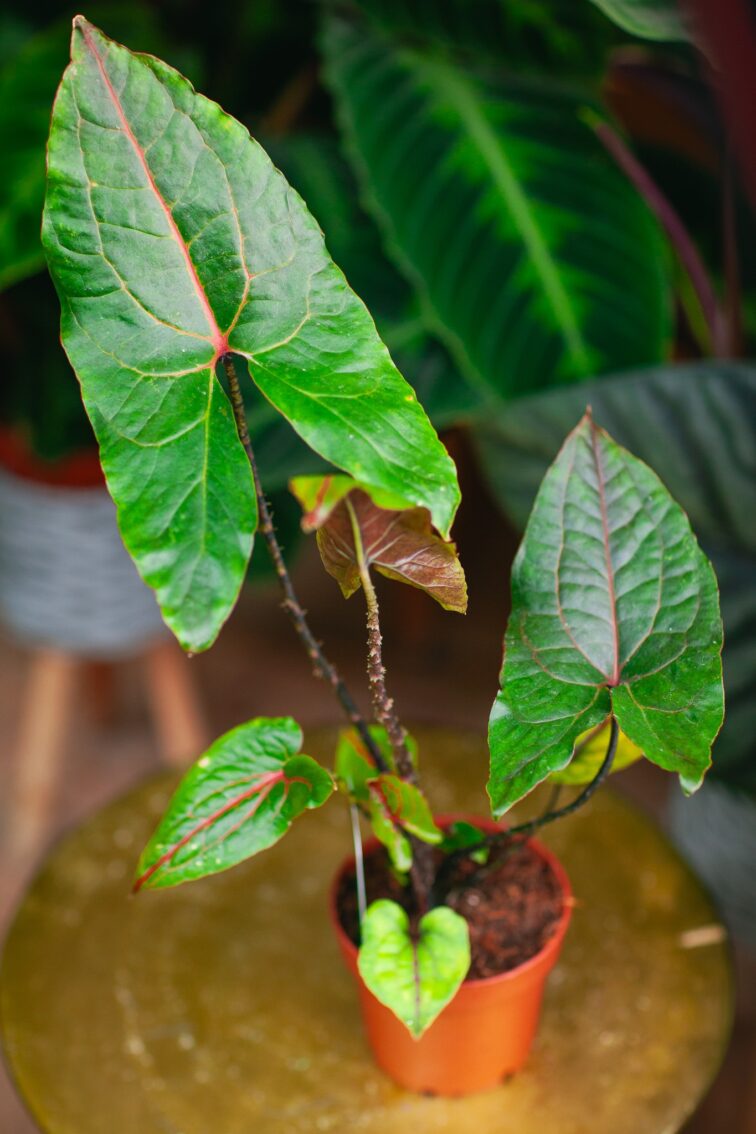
(291, 604)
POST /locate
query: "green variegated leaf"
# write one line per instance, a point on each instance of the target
(488, 195)
(614, 609)
(238, 799)
(173, 242)
(415, 975)
(406, 805)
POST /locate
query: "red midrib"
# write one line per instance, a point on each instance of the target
(261, 788)
(217, 338)
(615, 678)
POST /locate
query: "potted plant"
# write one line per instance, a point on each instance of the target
(177, 249)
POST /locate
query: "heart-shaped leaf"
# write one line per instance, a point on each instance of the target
(614, 609)
(238, 799)
(400, 544)
(590, 750)
(487, 192)
(172, 242)
(695, 425)
(415, 975)
(354, 765)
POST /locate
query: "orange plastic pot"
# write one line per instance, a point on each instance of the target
(484, 1034)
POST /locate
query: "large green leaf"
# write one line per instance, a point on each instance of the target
(415, 975)
(173, 241)
(238, 799)
(614, 608)
(649, 19)
(695, 425)
(537, 263)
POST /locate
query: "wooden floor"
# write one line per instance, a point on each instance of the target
(442, 669)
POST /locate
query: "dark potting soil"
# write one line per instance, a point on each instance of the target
(512, 904)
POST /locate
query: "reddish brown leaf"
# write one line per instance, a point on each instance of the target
(400, 544)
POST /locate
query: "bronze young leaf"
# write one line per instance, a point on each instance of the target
(400, 543)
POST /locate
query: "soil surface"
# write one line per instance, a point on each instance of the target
(512, 904)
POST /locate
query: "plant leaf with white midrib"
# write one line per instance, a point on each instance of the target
(537, 263)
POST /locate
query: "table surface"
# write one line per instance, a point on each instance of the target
(223, 1006)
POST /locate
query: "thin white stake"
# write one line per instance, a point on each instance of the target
(359, 862)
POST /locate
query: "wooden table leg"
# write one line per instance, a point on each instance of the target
(37, 758)
(182, 734)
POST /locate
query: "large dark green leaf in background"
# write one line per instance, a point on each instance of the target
(27, 88)
(536, 261)
(173, 241)
(614, 609)
(695, 425)
(315, 166)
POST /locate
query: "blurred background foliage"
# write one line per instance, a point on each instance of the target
(450, 153)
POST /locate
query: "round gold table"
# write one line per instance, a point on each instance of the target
(222, 1007)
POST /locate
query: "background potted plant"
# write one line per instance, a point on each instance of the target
(176, 247)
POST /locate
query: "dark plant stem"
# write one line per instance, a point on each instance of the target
(674, 228)
(422, 870)
(291, 604)
(515, 836)
(383, 705)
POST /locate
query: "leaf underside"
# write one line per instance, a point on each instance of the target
(172, 241)
(400, 545)
(487, 194)
(614, 609)
(239, 798)
(416, 979)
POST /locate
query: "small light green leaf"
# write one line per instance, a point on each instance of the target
(590, 750)
(354, 765)
(238, 799)
(392, 806)
(614, 609)
(415, 977)
(459, 835)
(173, 241)
(407, 806)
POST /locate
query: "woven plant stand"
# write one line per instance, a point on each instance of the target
(71, 595)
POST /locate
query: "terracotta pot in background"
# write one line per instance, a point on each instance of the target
(485, 1034)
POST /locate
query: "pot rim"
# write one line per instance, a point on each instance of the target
(551, 946)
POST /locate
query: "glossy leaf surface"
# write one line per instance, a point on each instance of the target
(392, 806)
(614, 608)
(400, 544)
(416, 979)
(238, 799)
(695, 425)
(172, 241)
(590, 750)
(487, 194)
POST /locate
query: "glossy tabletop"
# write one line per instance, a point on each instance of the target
(222, 1007)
